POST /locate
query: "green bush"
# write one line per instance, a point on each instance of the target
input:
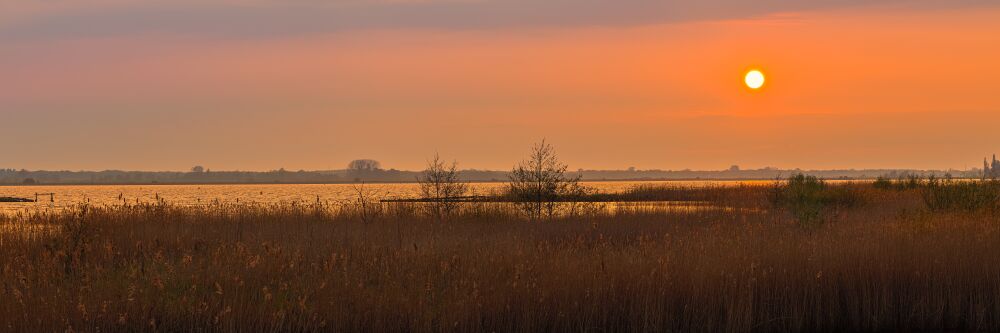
(909, 182)
(882, 183)
(970, 196)
(808, 198)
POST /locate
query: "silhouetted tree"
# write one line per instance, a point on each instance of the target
(198, 169)
(364, 165)
(536, 184)
(366, 204)
(440, 184)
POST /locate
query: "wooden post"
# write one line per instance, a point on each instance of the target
(52, 197)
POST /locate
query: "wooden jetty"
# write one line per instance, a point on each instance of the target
(52, 198)
(452, 199)
(590, 198)
(12, 199)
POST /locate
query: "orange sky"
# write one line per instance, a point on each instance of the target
(848, 87)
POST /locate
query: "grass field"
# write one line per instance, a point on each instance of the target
(796, 257)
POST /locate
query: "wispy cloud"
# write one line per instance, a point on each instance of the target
(268, 18)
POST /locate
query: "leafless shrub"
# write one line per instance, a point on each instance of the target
(440, 186)
(539, 183)
(366, 205)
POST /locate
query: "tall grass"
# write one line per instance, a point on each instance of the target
(889, 265)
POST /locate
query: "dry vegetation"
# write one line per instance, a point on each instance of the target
(882, 262)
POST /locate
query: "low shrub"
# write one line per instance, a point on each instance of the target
(808, 197)
(909, 182)
(969, 196)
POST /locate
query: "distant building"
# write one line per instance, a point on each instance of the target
(991, 170)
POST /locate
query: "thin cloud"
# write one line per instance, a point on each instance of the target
(256, 19)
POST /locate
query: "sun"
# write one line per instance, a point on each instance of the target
(754, 79)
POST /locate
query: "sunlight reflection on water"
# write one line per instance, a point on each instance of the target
(194, 195)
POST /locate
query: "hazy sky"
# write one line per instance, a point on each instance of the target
(311, 84)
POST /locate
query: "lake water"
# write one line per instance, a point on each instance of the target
(192, 195)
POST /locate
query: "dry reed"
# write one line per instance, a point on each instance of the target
(888, 265)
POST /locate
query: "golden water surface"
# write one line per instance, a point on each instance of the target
(192, 195)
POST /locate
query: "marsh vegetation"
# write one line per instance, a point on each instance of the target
(810, 256)
(543, 253)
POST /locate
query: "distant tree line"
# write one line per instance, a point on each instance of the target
(364, 165)
(375, 172)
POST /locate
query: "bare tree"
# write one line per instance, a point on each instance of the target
(538, 183)
(365, 204)
(364, 165)
(440, 185)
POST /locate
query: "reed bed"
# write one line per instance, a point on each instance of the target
(887, 264)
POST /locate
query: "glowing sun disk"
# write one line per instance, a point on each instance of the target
(754, 79)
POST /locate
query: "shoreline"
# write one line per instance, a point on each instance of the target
(415, 182)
